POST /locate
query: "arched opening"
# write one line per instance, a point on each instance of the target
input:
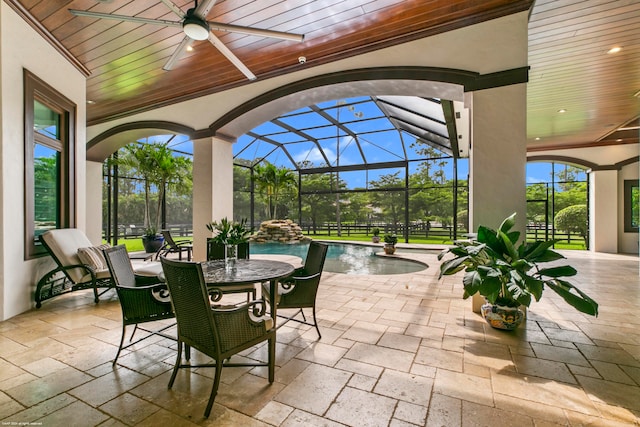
(147, 187)
(395, 163)
(557, 202)
(452, 88)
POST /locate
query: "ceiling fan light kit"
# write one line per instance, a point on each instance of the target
(194, 27)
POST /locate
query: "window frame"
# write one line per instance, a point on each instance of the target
(36, 89)
(629, 184)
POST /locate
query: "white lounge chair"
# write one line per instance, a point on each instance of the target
(67, 246)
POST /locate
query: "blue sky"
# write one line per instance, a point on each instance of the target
(379, 141)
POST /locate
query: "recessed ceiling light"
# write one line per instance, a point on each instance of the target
(619, 140)
(90, 101)
(562, 110)
(614, 49)
(537, 138)
(189, 48)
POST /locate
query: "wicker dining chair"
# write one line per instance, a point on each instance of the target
(142, 299)
(299, 290)
(218, 333)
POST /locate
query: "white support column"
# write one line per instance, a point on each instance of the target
(498, 159)
(603, 211)
(213, 179)
(93, 202)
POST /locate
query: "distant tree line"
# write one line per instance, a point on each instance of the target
(325, 197)
(147, 170)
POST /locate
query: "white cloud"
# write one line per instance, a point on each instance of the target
(314, 156)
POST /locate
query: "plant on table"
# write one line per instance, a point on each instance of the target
(228, 232)
(507, 274)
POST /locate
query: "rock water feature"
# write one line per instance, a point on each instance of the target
(279, 230)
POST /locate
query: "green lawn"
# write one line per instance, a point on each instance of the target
(364, 238)
(435, 240)
(134, 245)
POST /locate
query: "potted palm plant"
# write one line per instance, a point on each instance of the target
(390, 241)
(151, 240)
(508, 275)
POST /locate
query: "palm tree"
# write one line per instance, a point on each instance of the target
(171, 172)
(157, 166)
(274, 182)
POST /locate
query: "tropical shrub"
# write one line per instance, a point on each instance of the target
(573, 219)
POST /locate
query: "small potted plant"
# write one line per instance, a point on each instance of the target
(390, 241)
(151, 240)
(507, 276)
(376, 235)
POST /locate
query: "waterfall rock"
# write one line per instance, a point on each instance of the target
(279, 230)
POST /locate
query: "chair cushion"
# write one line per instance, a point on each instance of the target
(93, 256)
(64, 244)
(100, 274)
(148, 269)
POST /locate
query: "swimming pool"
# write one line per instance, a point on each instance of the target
(345, 258)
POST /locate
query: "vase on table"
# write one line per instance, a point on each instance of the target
(230, 257)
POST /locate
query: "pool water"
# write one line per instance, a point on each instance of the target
(345, 258)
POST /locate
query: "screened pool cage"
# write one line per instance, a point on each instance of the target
(358, 164)
(341, 168)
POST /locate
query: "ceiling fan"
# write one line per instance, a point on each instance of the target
(196, 27)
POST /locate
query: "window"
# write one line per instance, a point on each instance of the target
(49, 162)
(631, 205)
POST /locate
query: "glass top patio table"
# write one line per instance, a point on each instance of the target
(246, 271)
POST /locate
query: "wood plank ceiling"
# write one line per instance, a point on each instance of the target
(571, 70)
(569, 40)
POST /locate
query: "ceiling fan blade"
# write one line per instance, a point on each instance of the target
(204, 7)
(174, 8)
(139, 20)
(255, 31)
(231, 57)
(177, 54)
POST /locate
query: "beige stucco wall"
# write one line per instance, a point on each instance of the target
(21, 47)
(604, 206)
(602, 156)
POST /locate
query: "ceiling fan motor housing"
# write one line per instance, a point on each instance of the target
(194, 26)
